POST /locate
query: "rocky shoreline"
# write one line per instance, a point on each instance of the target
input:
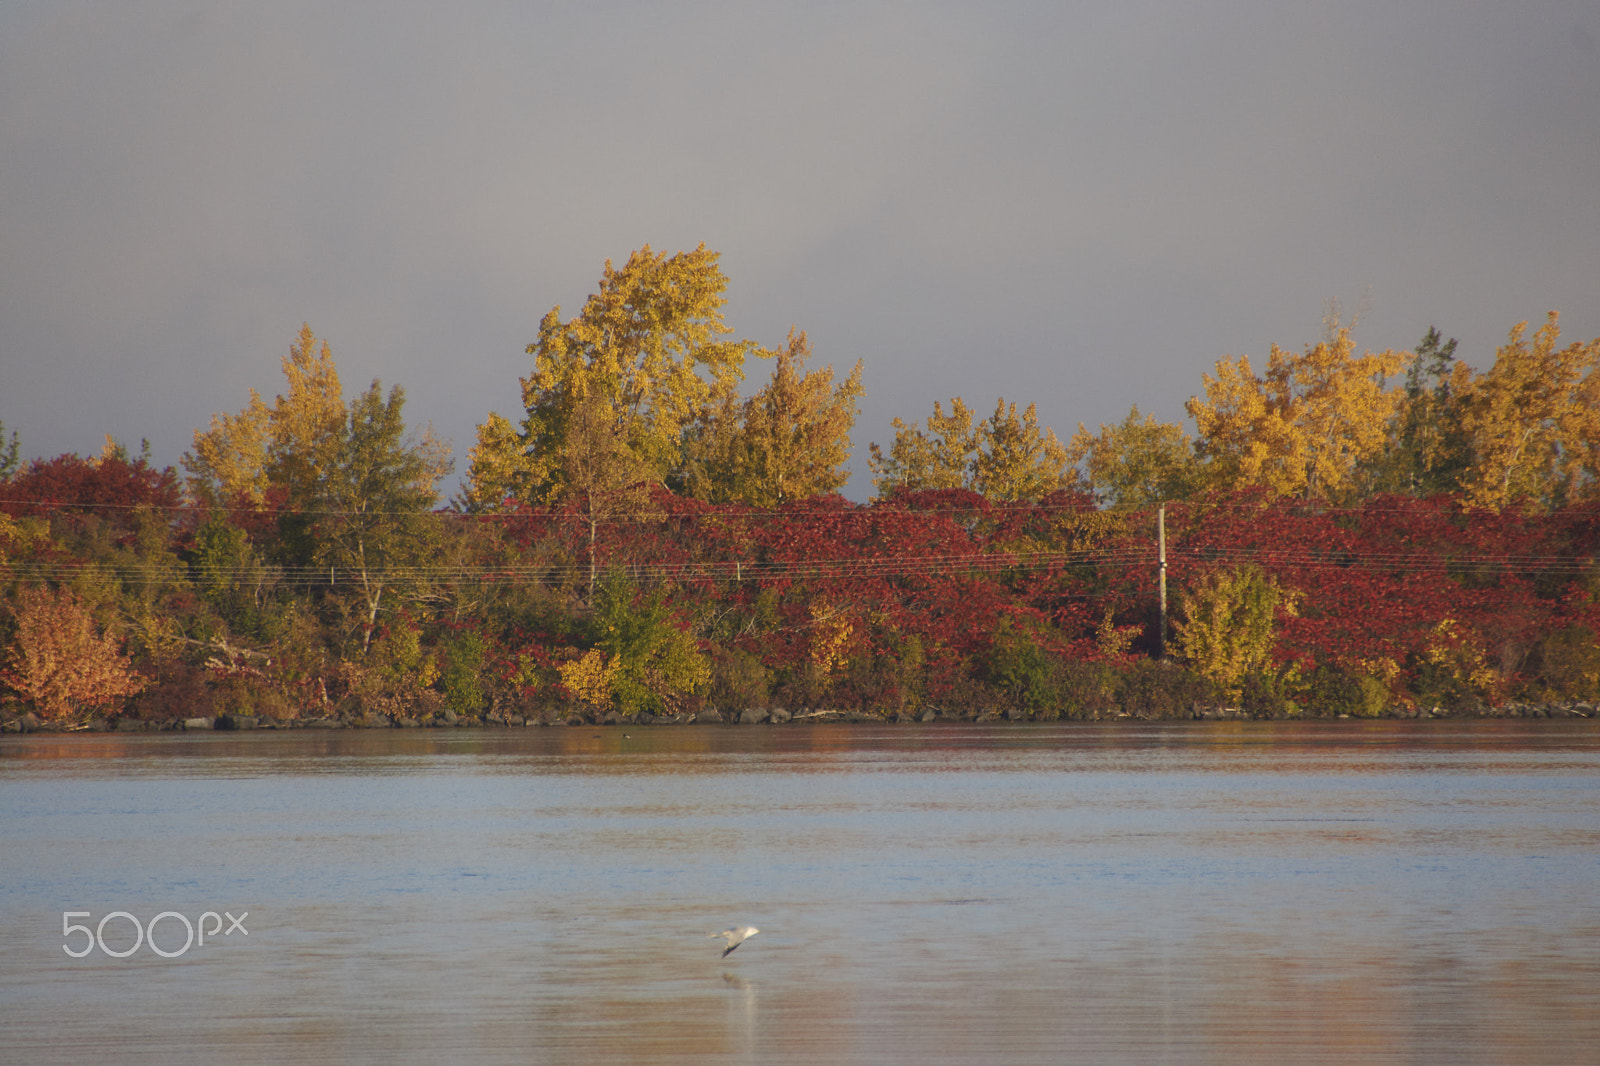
(30, 723)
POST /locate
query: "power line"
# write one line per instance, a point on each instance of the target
(736, 571)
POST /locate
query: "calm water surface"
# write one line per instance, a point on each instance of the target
(1209, 892)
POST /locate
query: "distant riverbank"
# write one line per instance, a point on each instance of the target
(773, 716)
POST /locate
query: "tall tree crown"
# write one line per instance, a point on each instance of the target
(649, 344)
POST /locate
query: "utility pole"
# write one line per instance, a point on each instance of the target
(1161, 554)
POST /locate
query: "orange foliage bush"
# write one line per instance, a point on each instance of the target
(60, 662)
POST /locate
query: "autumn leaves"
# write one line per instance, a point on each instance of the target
(1326, 424)
(1005, 458)
(648, 533)
(642, 388)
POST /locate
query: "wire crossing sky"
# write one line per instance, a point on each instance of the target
(1079, 206)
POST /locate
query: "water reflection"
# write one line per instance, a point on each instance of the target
(1242, 892)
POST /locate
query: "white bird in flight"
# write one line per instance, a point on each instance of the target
(735, 936)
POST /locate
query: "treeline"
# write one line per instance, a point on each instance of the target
(1383, 533)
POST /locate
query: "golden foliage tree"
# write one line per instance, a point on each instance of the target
(831, 633)
(1004, 457)
(60, 661)
(1137, 463)
(1227, 625)
(19, 538)
(1245, 439)
(643, 344)
(589, 678)
(287, 444)
(229, 459)
(497, 469)
(788, 442)
(1304, 427)
(939, 457)
(1454, 665)
(1533, 421)
(603, 476)
(1019, 460)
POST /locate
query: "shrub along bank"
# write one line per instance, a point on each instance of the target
(125, 603)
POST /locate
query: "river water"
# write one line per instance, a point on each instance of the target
(1099, 893)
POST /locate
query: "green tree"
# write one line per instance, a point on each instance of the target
(1018, 664)
(373, 497)
(1427, 451)
(9, 461)
(462, 678)
(228, 571)
(653, 663)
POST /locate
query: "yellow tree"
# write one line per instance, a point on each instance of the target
(1018, 460)
(287, 444)
(1304, 427)
(1137, 463)
(644, 343)
(497, 469)
(1342, 406)
(938, 458)
(15, 536)
(603, 476)
(1005, 457)
(229, 459)
(307, 424)
(787, 442)
(1227, 625)
(1243, 438)
(1533, 421)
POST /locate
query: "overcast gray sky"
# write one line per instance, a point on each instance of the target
(1078, 205)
